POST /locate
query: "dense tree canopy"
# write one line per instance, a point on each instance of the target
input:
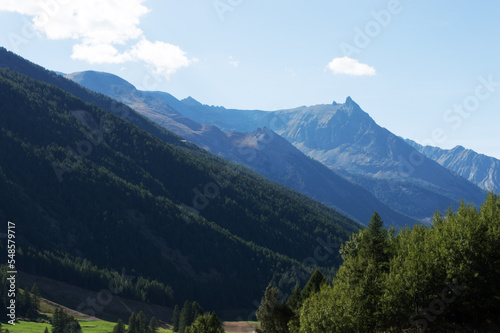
(206, 323)
(443, 277)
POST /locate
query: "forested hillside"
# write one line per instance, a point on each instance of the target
(14, 62)
(80, 182)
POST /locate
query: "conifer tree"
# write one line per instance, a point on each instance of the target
(272, 315)
(64, 323)
(207, 323)
(295, 300)
(119, 327)
(175, 318)
(314, 284)
(185, 316)
(132, 324)
(153, 325)
(35, 294)
(142, 326)
(196, 310)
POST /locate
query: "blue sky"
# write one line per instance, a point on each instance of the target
(426, 70)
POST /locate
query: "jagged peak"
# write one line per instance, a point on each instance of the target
(350, 103)
(351, 108)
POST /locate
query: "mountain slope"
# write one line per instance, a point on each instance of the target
(262, 150)
(115, 197)
(346, 139)
(482, 170)
(20, 65)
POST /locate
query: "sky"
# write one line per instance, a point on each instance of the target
(425, 70)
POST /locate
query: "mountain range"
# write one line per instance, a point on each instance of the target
(261, 150)
(482, 170)
(91, 192)
(403, 183)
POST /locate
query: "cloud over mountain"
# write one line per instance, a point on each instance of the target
(104, 31)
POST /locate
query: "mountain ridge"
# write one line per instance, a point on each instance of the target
(262, 150)
(123, 194)
(480, 169)
(346, 139)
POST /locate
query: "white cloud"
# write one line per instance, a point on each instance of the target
(98, 27)
(165, 58)
(349, 66)
(99, 54)
(233, 62)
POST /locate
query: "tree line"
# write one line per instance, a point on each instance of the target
(444, 277)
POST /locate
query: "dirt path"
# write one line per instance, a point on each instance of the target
(239, 327)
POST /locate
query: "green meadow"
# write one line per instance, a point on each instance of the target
(88, 326)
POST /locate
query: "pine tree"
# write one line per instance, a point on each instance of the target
(35, 294)
(64, 323)
(153, 325)
(30, 307)
(175, 318)
(132, 324)
(57, 321)
(272, 315)
(119, 327)
(197, 310)
(142, 326)
(189, 313)
(377, 241)
(314, 284)
(185, 316)
(295, 300)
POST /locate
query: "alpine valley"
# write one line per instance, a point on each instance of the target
(311, 219)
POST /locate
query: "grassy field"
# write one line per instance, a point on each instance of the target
(26, 327)
(99, 326)
(88, 326)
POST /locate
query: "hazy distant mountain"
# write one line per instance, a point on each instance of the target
(346, 139)
(482, 170)
(274, 157)
(262, 150)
